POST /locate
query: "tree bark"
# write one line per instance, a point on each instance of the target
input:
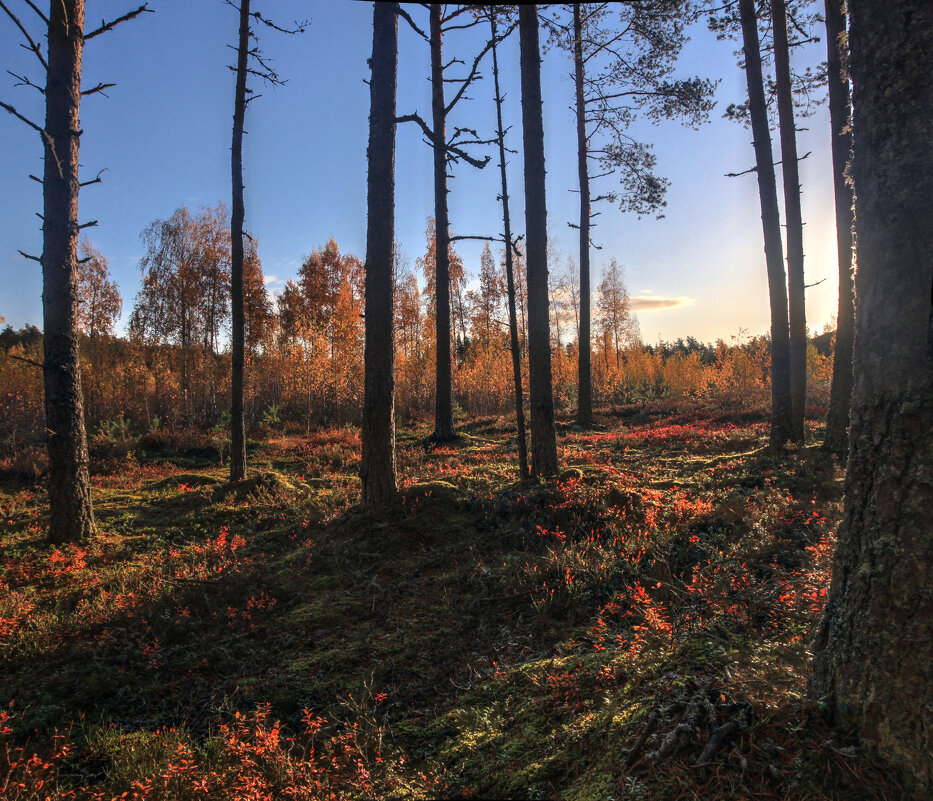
(794, 219)
(237, 426)
(71, 516)
(543, 435)
(509, 274)
(837, 421)
(781, 427)
(377, 464)
(443, 404)
(584, 364)
(873, 663)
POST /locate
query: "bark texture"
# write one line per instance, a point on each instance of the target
(781, 429)
(443, 403)
(584, 368)
(377, 463)
(237, 426)
(840, 397)
(794, 219)
(71, 516)
(543, 435)
(509, 272)
(873, 663)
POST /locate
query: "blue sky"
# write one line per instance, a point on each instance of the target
(164, 136)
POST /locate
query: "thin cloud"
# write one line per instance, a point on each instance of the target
(659, 304)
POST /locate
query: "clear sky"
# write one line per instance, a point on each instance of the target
(164, 136)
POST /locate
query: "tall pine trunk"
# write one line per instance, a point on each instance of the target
(443, 403)
(543, 435)
(840, 396)
(873, 658)
(509, 273)
(794, 219)
(71, 516)
(584, 365)
(237, 426)
(377, 465)
(781, 425)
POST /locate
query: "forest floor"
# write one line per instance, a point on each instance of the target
(637, 628)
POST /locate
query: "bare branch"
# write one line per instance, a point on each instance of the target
(482, 238)
(96, 180)
(473, 72)
(19, 116)
(36, 179)
(755, 169)
(25, 360)
(404, 15)
(35, 8)
(27, 256)
(424, 126)
(109, 26)
(90, 224)
(455, 14)
(32, 45)
(24, 81)
(817, 283)
(300, 27)
(99, 88)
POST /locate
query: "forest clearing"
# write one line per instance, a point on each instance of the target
(488, 637)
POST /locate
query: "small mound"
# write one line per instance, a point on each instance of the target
(184, 479)
(267, 486)
(438, 491)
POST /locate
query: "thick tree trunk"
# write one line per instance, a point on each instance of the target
(443, 403)
(584, 365)
(840, 397)
(543, 435)
(71, 516)
(377, 465)
(873, 664)
(781, 427)
(794, 218)
(509, 274)
(237, 426)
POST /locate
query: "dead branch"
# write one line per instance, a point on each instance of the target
(404, 15)
(99, 88)
(424, 126)
(717, 738)
(96, 180)
(32, 44)
(28, 256)
(19, 116)
(25, 360)
(24, 81)
(109, 26)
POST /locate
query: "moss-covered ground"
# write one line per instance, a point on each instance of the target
(636, 628)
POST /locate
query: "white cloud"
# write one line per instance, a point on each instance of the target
(659, 304)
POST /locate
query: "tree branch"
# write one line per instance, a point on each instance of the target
(27, 256)
(19, 116)
(109, 26)
(96, 180)
(25, 360)
(404, 15)
(424, 126)
(99, 88)
(24, 81)
(32, 45)
(473, 72)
